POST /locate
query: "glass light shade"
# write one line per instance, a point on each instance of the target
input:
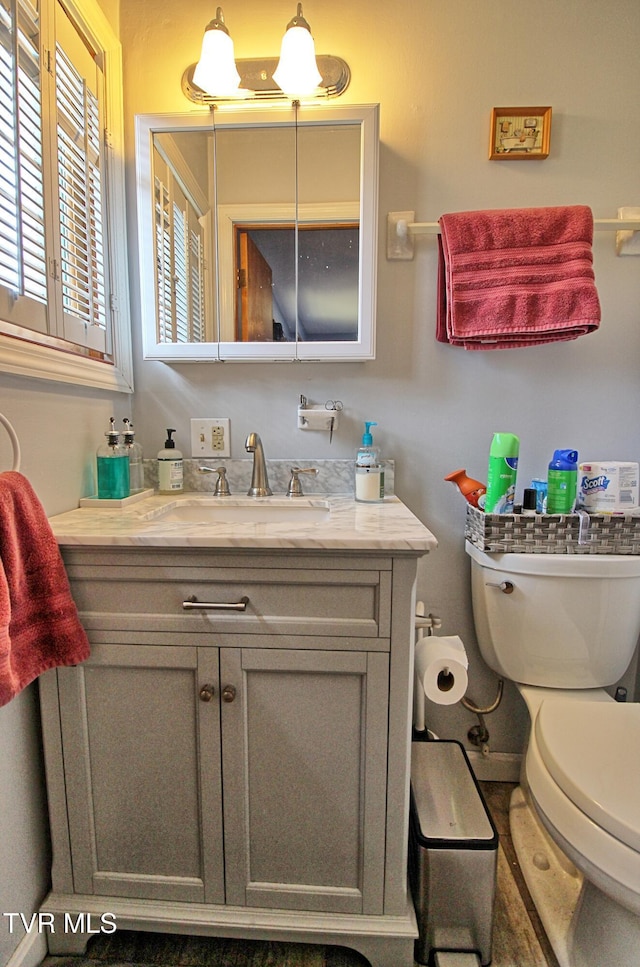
(297, 73)
(216, 72)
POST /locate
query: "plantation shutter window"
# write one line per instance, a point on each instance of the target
(180, 260)
(23, 259)
(80, 168)
(163, 264)
(196, 279)
(63, 258)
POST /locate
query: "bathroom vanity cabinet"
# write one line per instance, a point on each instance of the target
(238, 772)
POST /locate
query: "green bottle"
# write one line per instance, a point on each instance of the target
(501, 476)
(113, 467)
(562, 482)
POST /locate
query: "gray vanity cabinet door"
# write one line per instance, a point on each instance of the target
(144, 818)
(304, 740)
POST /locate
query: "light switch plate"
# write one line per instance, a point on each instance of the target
(210, 438)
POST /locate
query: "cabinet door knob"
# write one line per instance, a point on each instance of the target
(228, 693)
(206, 693)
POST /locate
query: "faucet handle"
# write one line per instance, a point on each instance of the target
(295, 488)
(222, 484)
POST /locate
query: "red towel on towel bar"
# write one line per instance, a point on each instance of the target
(516, 277)
(39, 624)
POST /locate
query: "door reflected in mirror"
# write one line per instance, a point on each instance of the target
(258, 235)
(320, 304)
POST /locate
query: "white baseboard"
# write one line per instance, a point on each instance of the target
(495, 767)
(31, 950)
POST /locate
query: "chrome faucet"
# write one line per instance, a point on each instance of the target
(259, 479)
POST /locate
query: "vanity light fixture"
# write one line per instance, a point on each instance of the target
(218, 77)
(297, 73)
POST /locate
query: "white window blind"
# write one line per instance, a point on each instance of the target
(196, 289)
(80, 188)
(180, 262)
(180, 269)
(163, 261)
(80, 166)
(23, 259)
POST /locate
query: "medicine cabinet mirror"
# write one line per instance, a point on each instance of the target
(258, 233)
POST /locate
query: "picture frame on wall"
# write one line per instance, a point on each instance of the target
(520, 133)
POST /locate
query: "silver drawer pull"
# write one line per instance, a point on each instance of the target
(192, 604)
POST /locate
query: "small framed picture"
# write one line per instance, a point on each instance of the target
(520, 133)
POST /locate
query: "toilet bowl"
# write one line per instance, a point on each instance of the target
(575, 818)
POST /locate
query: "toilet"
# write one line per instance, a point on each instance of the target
(562, 628)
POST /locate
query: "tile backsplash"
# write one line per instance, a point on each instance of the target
(333, 477)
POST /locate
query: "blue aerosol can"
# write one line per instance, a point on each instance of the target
(562, 482)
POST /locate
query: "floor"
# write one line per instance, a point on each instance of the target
(518, 937)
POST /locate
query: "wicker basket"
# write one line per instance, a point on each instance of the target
(551, 534)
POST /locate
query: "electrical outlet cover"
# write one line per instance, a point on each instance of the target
(210, 438)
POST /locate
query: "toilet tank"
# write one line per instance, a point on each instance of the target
(567, 621)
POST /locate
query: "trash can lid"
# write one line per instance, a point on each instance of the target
(447, 800)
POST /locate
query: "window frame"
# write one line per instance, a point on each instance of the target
(31, 353)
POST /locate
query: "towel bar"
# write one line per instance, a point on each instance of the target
(401, 228)
(15, 443)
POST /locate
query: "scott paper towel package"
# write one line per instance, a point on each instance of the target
(610, 486)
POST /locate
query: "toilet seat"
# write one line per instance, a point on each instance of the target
(585, 746)
(608, 862)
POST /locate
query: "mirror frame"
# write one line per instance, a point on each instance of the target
(362, 348)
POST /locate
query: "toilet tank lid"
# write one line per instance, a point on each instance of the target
(559, 565)
(585, 746)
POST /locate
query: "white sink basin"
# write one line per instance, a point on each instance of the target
(209, 510)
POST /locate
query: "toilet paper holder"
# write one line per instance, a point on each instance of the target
(427, 623)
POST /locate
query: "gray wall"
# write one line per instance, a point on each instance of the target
(24, 847)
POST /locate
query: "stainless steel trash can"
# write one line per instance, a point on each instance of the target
(453, 853)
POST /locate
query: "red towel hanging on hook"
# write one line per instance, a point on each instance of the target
(39, 624)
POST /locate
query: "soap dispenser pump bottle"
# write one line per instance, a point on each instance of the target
(170, 467)
(369, 485)
(113, 466)
(134, 453)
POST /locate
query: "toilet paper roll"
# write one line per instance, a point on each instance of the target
(441, 667)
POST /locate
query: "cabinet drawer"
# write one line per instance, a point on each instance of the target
(284, 601)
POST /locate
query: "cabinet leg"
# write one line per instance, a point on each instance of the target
(66, 944)
(385, 951)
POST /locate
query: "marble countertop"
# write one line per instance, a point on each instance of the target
(349, 525)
